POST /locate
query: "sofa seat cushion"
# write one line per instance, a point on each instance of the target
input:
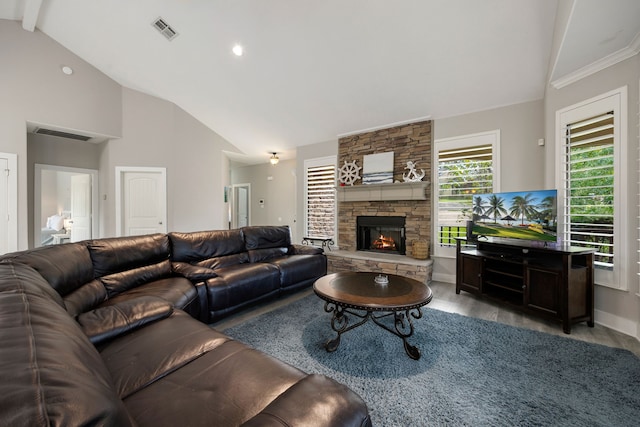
(261, 255)
(223, 261)
(108, 322)
(178, 291)
(51, 374)
(148, 354)
(227, 386)
(243, 283)
(306, 403)
(299, 268)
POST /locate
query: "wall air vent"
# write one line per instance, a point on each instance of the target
(52, 132)
(165, 29)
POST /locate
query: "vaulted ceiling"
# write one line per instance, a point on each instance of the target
(313, 70)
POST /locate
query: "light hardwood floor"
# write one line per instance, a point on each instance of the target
(446, 299)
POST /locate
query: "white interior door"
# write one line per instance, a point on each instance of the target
(142, 208)
(80, 207)
(8, 202)
(4, 207)
(241, 209)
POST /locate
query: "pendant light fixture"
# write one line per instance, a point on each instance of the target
(274, 159)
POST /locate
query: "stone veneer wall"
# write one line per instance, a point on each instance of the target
(410, 142)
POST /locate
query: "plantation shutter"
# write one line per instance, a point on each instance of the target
(589, 186)
(462, 173)
(321, 201)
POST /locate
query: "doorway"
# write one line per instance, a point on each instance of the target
(240, 206)
(65, 200)
(8, 202)
(141, 201)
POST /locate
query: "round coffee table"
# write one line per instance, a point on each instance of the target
(359, 294)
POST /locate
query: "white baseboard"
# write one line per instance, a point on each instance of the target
(447, 278)
(617, 323)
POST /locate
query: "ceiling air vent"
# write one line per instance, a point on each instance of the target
(51, 132)
(165, 29)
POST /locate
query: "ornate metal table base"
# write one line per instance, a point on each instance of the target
(403, 324)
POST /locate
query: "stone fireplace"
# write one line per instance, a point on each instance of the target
(410, 142)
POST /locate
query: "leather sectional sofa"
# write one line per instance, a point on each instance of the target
(113, 332)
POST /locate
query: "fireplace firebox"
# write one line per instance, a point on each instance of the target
(381, 234)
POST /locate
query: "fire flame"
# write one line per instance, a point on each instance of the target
(384, 242)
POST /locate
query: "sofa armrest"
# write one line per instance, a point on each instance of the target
(296, 249)
(195, 273)
(315, 400)
(110, 321)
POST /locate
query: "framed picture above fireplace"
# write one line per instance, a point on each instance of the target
(377, 168)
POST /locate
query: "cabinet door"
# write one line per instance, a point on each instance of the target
(543, 290)
(469, 274)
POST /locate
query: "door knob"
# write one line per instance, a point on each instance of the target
(160, 223)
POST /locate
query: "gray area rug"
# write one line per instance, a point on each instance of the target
(472, 372)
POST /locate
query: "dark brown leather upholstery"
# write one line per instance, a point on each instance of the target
(51, 374)
(103, 341)
(256, 237)
(247, 265)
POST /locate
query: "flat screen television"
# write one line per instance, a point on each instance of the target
(529, 215)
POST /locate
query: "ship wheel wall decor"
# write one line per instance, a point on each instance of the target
(349, 173)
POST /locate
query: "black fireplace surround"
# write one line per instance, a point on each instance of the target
(385, 234)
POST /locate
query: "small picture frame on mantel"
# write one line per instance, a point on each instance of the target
(377, 168)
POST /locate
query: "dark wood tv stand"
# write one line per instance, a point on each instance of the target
(555, 281)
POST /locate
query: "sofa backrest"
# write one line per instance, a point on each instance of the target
(66, 267)
(266, 242)
(267, 237)
(201, 245)
(122, 263)
(51, 374)
(68, 270)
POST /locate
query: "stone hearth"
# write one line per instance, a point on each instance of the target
(339, 261)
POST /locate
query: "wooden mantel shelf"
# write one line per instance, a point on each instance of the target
(382, 192)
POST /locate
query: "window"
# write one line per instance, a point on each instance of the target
(466, 166)
(592, 182)
(320, 197)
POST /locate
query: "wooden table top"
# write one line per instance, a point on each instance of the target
(359, 290)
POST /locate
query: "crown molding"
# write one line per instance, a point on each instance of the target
(387, 126)
(599, 65)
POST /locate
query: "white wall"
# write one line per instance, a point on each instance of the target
(157, 133)
(614, 308)
(276, 185)
(143, 131)
(34, 89)
(521, 158)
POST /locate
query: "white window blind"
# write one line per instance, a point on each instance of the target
(321, 200)
(592, 182)
(462, 173)
(589, 174)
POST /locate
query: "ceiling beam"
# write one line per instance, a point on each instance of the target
(31, 11)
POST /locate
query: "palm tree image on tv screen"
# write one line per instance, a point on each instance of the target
(530, 215)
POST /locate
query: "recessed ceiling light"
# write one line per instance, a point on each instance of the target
(67, 70)
(238, 50)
